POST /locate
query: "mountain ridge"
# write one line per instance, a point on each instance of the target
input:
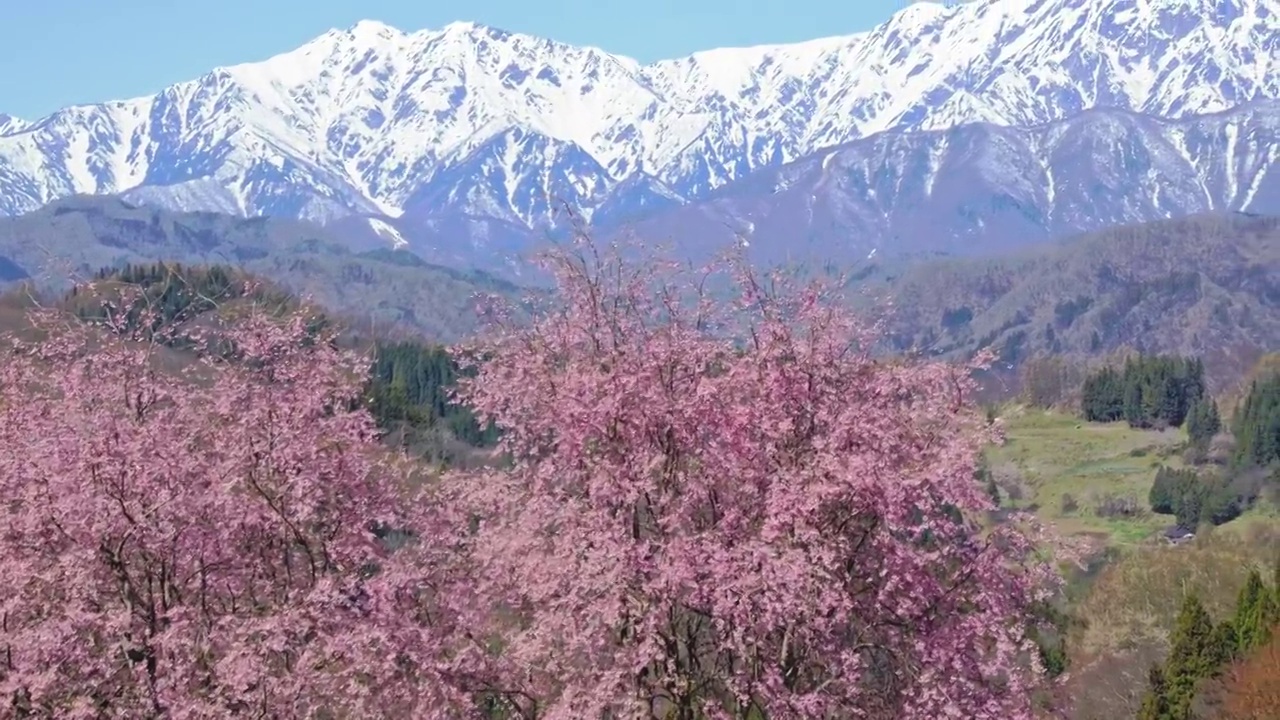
(71, 239)
(499, 125)
(982, 189)
(1206, 285)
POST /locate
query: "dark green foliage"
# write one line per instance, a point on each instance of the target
(1203, 422)
(1050, 637)
(409, 382)
(174, 292)
(1066, 312)
(1012, 350)
(1200, 650)
(1156, 705)
(410, 385)
(1257, 424)
(1168, 485)
(1102, 396)
(1257, 611)
(400, 257)
(1197, 652)
(1151, 391)
(1194, 499)
(958, 318)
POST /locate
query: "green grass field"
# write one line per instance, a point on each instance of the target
(1056, 455)
(1053, 454)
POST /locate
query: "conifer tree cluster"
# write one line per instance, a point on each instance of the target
(167, 292)
(1200, 650)
(1203, 422)
(1152, 391)
(1256, 425)
(1193, 499)
(411, 383)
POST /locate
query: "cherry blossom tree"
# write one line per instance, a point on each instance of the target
(731, 509)
(195, 539)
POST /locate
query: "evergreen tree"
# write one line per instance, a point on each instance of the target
(1163, 491)
(1197, 652)
(411, 385)
(1149, 390)
(1156, 705)
(1102, 396)
(1255, 614)
(1196, 390)
(1257, 424)
(1192, 499)
(1203, 422)
(1134, 412)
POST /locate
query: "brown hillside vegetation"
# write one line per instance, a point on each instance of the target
(1207, 285)
(69, 240)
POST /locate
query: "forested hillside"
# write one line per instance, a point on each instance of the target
(1205, 286)
(410, 382)
(68, 241)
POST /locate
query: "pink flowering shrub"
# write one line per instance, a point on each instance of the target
(196, 542)
(703, 509)
(732, 510)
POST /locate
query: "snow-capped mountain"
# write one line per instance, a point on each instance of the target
(987, 189)
(470, 126)
(10, 124)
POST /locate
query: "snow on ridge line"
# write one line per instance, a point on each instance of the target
(387, 231)
(457, 113)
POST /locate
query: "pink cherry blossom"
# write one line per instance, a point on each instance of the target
(193, 539)
(733, 510)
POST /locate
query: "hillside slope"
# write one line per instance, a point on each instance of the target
(983, 189)
(1207, 285)
(73, 238)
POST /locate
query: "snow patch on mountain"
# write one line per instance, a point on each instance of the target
(988, 189)
(10, 124)
(390, 233)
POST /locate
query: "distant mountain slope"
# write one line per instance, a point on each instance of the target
(1207, 285)
(470, 133)
(984, 188)
(75, 237)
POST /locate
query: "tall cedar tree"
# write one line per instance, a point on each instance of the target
(1203, 422)
(1197, 652)
(1257, 424)
(1257, 611)
(1149, 391)
(1200, 651)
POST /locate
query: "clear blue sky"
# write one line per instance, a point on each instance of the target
(61, 52)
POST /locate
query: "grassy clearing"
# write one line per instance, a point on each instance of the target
(1052, 455)
(1128, 597)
